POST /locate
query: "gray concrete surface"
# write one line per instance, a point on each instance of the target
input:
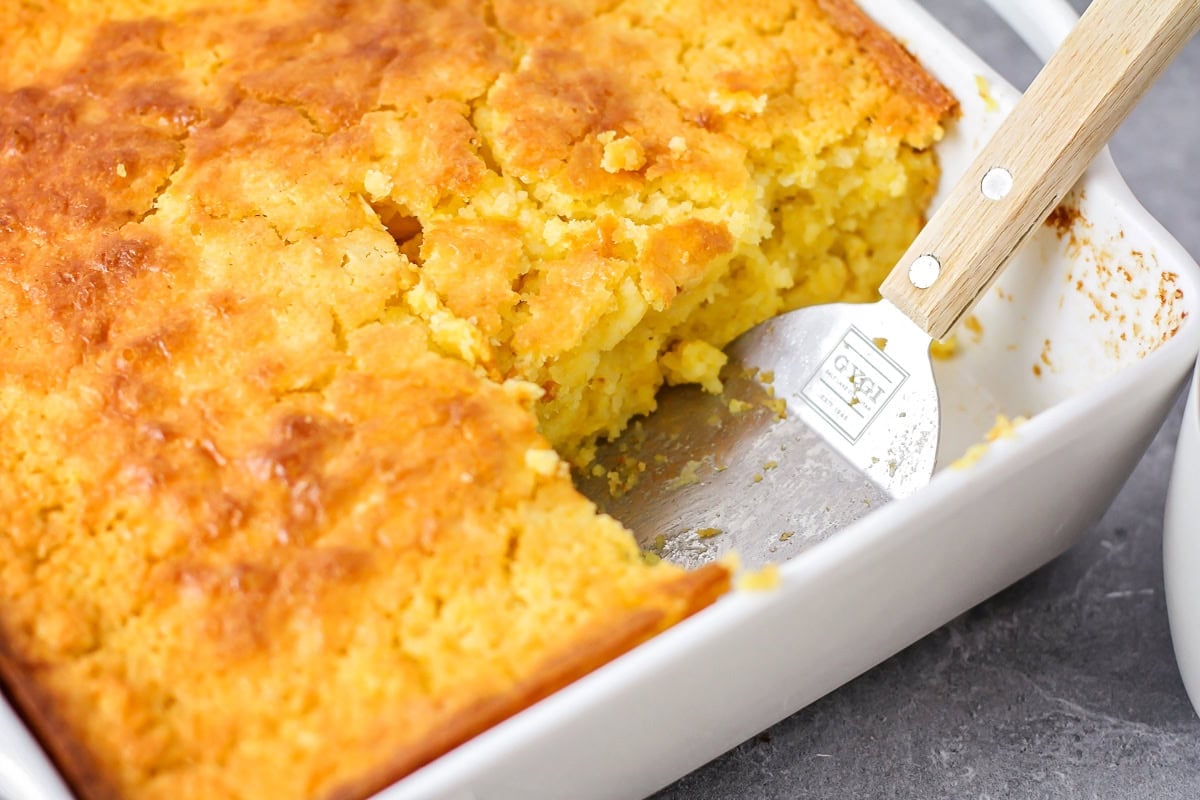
(1064, 685)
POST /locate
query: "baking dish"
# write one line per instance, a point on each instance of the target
(901, 572)
(1181, 547)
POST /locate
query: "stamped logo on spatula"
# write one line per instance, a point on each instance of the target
(853, 384)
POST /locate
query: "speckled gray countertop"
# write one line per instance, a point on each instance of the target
(1065, 684)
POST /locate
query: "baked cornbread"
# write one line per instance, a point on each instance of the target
(298, 298)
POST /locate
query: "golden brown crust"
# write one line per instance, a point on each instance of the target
(698, 589)
(899, 68)
(40, 711)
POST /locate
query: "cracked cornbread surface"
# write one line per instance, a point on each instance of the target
(298, 296)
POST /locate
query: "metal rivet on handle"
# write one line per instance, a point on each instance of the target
(997, 183)
(924, 271)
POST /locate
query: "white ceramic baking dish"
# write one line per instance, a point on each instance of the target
(1181, 547)
(1105, 311)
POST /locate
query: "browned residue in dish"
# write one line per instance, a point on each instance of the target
(1168, 294)
(973, 324)
(1063, 218)
(1117, 279)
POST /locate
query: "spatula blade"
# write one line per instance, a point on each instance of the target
(860, 376)
(790, 452)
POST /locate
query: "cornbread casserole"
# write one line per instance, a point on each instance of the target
(299, 298)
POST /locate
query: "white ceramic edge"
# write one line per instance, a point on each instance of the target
(1181, 547)
(25, 771)
(1041, 24)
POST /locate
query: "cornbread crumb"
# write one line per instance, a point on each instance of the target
(944, 349)
(694, 361)
(984, 87)
(972, 324)
(523, 392)
(761, 580)
(688, 476)
(544, 462)
(1003, 428)
(738, 102)
(971, 457)
(621, 155)
(737, 406)
(708, 533)
(378, 184)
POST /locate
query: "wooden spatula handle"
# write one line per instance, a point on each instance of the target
(1118, 49)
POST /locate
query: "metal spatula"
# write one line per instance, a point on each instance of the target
(707, 474)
